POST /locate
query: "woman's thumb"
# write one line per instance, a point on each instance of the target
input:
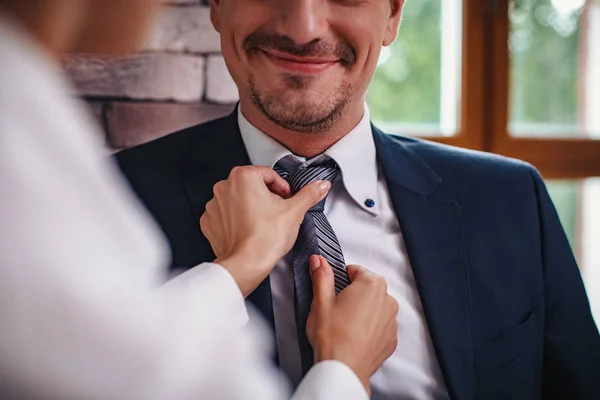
(322, 279)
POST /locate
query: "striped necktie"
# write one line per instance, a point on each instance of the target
(316, 236)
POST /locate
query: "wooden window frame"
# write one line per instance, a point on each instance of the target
(472, 111)
(485, 101)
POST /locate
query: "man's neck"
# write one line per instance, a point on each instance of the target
(303, 144)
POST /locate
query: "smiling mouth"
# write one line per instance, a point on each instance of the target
(299, 64)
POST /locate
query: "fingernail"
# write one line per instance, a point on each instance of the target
(324, 186)
(315, 263)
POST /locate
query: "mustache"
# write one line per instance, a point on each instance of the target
(317, 48)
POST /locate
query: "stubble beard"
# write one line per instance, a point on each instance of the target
(298, 114)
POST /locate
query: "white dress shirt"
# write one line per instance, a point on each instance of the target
(83, 313)
(370, 237)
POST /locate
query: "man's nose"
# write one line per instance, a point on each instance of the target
(302, 20)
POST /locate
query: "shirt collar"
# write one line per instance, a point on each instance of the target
(355, 154)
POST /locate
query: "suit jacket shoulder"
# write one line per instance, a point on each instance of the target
(163, 154)
(463, 172)
(447, 160)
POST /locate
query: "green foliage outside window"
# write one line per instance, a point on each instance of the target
(406, 88)
(544, 46)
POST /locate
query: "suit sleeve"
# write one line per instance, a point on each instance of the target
(571, 341)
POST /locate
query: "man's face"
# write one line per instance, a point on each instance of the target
(302, 63)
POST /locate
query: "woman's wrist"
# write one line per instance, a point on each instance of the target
(247, 267)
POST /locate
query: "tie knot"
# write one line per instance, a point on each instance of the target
(298, 177)
(305, 175)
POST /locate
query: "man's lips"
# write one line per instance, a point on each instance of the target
(296, 64)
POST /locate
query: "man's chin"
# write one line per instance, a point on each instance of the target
(312, 109)
(301, 101)
(302, 117)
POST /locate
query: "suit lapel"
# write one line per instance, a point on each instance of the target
(215, 153)
(432, 232)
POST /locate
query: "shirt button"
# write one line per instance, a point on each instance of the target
(370, 203)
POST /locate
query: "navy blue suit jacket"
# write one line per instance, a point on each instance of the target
(501, 291)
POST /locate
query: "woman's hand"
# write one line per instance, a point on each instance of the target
(253, 221)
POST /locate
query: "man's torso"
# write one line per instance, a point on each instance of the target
(471, 238)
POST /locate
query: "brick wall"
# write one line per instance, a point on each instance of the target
(179, 79)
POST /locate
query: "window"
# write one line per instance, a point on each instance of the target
(416, 87)
(577, 202)
(519, 78)
(555, 69)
